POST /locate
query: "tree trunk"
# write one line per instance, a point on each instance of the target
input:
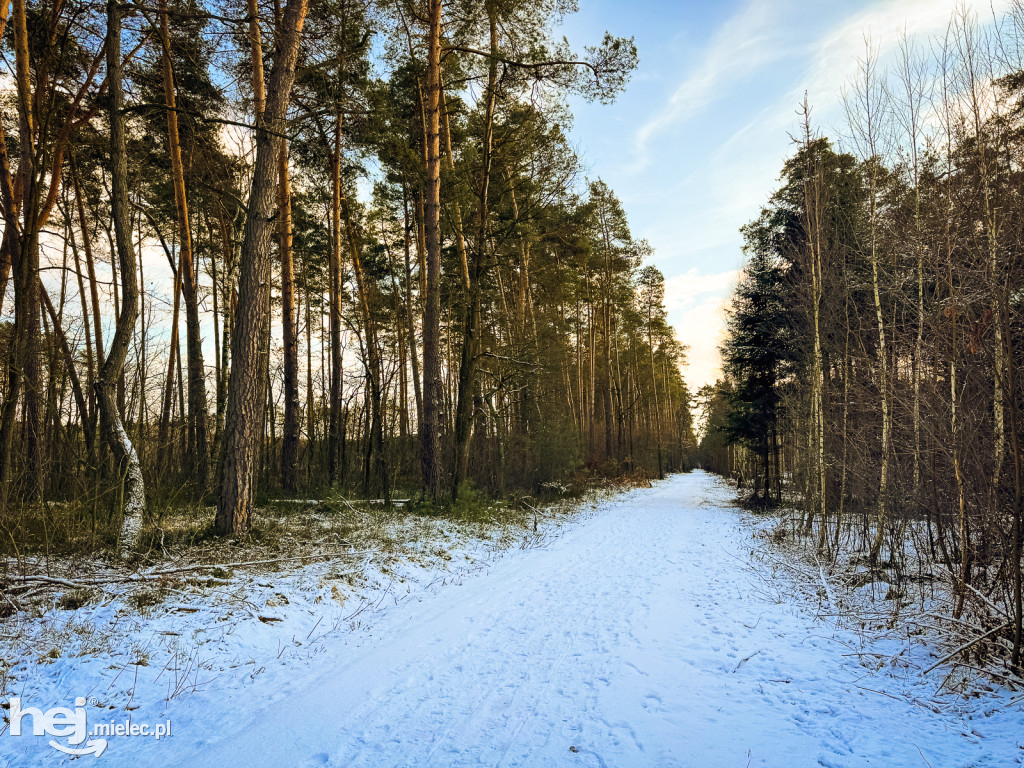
(374, 369)
(129, 467)
(247, 386)
(24, 369)
(883, 379)
(409, 315)
(335, 439)
(430, 443)
(90, 264)
(198, 450)
(290, 428)
(89, 416)
(472, 318)
(164, 432)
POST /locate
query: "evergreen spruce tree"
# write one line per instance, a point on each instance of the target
(756, 356)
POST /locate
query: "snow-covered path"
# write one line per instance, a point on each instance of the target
(636, 639)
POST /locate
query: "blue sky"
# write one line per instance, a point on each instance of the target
(694, 146)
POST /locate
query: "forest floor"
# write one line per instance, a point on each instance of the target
(655, 627)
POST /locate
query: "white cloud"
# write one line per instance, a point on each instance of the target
(681, 291)
(702, 329)
(835, 61)
(725, 188)
(695, 302)
(743, 44)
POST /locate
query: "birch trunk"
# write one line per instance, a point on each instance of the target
(129, 467)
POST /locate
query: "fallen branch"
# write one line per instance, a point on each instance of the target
(744, 660)
(880, 693)
(37, 579)
(983, 598)
(967, 645)
(824, 583)
(239, 564)
(345, 501)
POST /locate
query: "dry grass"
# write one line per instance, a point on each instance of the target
(180, 551)
(73, 544)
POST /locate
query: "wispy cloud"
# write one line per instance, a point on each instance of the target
(726, 186)
(835, 60)
(744, 43)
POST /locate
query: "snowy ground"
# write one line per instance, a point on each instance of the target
(640, 635)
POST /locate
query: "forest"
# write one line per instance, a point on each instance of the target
(261, 250)
(875, 341)
(343, 420)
